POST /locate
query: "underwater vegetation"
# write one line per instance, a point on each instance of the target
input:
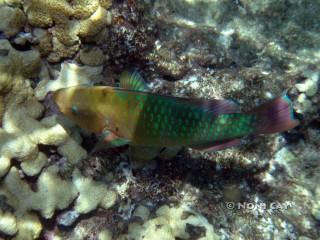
(57, 182)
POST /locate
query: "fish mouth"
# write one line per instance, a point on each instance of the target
(55, 96)
(58, 99)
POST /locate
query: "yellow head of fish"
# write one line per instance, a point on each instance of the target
(71, 102)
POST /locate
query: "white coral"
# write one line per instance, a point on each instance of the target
(70, 75)
(91, 194)
(21, 132)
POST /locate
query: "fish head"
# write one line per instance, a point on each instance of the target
(78, 104)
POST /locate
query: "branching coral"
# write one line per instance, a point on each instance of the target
(21, 132)
(47, 198)
(22, 199)
(52, 193)
(91, 194)
(26, 227)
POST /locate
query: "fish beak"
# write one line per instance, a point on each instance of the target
(60, 99)
(56, 96)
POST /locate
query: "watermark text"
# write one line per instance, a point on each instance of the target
(258, 206)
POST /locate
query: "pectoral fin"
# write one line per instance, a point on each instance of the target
(218, 145)
(109, 140)
(112, 140)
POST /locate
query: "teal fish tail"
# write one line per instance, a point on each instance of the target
(275, 116)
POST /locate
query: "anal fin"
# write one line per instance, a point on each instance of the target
(218, 145)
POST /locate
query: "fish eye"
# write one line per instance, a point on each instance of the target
(74, 109)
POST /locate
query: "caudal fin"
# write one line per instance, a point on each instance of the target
(275, 116)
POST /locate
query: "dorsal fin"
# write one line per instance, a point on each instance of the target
(131, 79)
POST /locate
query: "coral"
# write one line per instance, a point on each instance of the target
(316, 206)
(53, 193)
(249, 51)
(11, 2)
(69, 21)
(32, 168)
(105, 235)
(29, 227)
(91, 194)
(70, 149)
(70, 75)
(310, 86)
(22, 199)
(304, 104)
(178, 223)
(47, 198)
(157, 228)
(11, 20)
(171, 223)
(97, 21)
(8, 224)
(21, 132)
(84, 8)
(308, 89)
(45, 13)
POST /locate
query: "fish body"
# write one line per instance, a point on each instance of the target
(152, 120)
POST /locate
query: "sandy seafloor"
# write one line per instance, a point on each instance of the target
(53, 187)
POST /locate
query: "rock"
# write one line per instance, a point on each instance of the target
(67, 218)
(91, 56)
(284, 157)
(305, 105)
(309, 87)
(142, 212)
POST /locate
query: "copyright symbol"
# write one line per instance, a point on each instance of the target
(230, 205)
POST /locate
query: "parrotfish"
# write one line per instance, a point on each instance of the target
(132, 115)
